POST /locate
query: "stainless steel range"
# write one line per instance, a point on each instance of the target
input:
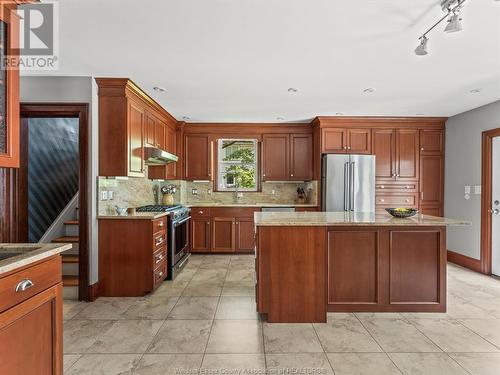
(178, 235)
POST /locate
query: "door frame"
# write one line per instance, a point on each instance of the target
(486, 181)
(80, 111)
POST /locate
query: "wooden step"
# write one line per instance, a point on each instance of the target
(71, 222)
(70, 258)
(67, 239)
(69, 280)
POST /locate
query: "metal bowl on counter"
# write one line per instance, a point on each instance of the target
(402, 212)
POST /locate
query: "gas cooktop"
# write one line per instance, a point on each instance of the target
(159, 208)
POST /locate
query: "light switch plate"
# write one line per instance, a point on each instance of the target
(111, 195)
(477, 189)
(467, 189)
(104, 195)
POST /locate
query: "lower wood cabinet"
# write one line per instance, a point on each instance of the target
(31, 321)
(222, 230)
(132, 256)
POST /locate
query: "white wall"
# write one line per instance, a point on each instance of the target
(73, 90)
(463, 167)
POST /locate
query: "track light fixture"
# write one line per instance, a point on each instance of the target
(452, 9)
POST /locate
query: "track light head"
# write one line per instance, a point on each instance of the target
(421, 50)
(454, 23)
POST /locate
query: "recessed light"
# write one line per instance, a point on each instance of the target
(419, 114)
(280, 118)
(475, 91)
(369, 90)
(159, 89)
(339, 113)
(293, 89)
(186, 118)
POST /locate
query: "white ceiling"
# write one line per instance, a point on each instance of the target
(233, 60)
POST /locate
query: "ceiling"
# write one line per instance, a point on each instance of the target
(233, 61)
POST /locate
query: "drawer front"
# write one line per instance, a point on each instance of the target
(407, 200)
(397, 188)
(159, 225)
(200, 211)
(33, 280)
(234, 211)
(159, 240)
(159, 257)
(159, 274)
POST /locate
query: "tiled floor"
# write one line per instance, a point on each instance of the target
(206, 319)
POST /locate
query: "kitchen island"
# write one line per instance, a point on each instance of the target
(311, 263)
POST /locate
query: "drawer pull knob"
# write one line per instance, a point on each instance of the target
(159, 240)
(159, 258)
(160, 274)
(23, 285)
(382, 200)
(200, 212)
(407, 201)
(382, 187)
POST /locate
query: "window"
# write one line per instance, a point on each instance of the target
(237, 164)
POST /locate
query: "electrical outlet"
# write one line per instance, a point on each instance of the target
(273, 192)
(104, 195)
(477, 189)
(194, 191)
(111, 195)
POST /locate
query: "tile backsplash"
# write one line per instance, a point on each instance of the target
(134, 192)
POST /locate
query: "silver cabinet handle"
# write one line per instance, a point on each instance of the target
(208, 222)
(382, 200)
(23, 285)
(407, 187)
(160, 224)
(382, 187)
(159, 240)
(159, 258)
(348, 147)
(200, 212)
(421, 149)
(291, 174)
(345, 147)
(397, 175)
(407, 201)
(160, 274)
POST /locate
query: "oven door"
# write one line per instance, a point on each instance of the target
(180, 239)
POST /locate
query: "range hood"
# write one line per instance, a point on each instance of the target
(155, 156)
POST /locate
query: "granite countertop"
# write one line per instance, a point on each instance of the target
(348, 219)
(27, 254)
(250, 205)
(137, 215)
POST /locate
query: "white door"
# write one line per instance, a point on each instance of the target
(495, 198)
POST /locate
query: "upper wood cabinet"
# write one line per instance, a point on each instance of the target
(287, 157)
(154, 131)
(431, 183)
(407, 154)
(9, 88)
(198, 157)
(135, 131)
(346, 140)
(384, 141)
(432, 142)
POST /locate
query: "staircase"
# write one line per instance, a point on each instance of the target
(70, 258)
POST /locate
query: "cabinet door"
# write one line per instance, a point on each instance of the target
(407, 154)
(431, 179)
(432, 210)
(198, 157)
(301, 149)
(200, 234)
(149, 130)
(245, 241)
(432, 142)
(31, 335)
(333, 141)
(359, 141)
(275, 157)
(383, 149)
(160, 134)
(223, 234)
(135, 140)
(171, 146)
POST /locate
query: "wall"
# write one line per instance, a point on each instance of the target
(73, 90)
(463, 167)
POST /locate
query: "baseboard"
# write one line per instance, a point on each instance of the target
(94, 292)
(464, 261)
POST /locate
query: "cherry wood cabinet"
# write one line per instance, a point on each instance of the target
(287, 157)
(135, 132)
(432, 141)
(346, 140)
(31, 320)
(9, 88)
(383, 148)
(169, 171)
(245, 240)
(198, 157)
(200, 234)
(431, 183)
(223, 234)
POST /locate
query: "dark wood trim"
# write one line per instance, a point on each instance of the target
(486, 177)
(464, 261)
(380, 122)
(79, 110)
(94, 292)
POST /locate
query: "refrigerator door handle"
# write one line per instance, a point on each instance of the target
(351, 186)
(346, 187)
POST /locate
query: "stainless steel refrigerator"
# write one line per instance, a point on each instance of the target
(348, 183)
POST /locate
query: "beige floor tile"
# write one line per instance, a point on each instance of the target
(298, 363)
(479, 363)
(488, 329)
(79, 335)
(451, 336)
(240, 275)
(235, 336)
(105, 308)
(210, 275)
(290, 338)
(186, 274)
(426, 364)
(151, 307)
(167, 364)
(194, 308)
(171, 289)
(126, 336)
(345, 335)
(237, 308)
(72, 308)
(69, 360)
(398, 335)
(362, 364)
(235, 288)
(217, 363)
(181, 336)
(203, 289)
(105, 364)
